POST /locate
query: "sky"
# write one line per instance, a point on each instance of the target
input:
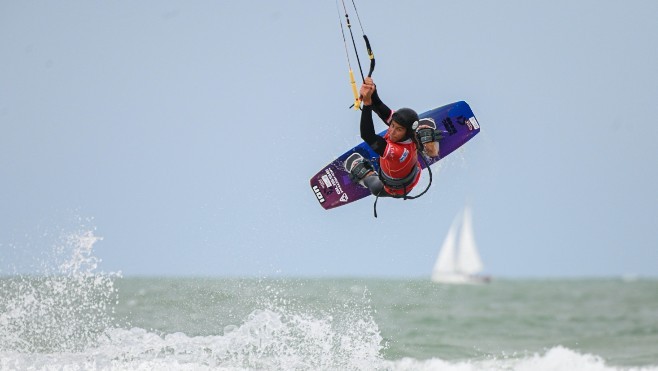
(185, 134)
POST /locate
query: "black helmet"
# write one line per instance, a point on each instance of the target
(407, 118)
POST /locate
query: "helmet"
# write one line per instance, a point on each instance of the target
(407, 118)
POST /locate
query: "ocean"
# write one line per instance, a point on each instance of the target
(75, 318)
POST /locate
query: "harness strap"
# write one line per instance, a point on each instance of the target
(396, 183)
(429, 170)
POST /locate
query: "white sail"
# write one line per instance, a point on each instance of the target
(469, 261)
(458, 260)
(446, 262)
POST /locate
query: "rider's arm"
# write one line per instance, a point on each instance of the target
(377, 143)
(381, 109)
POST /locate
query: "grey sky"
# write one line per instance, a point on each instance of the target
(188, 131)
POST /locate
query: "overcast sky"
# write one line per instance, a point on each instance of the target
(186, 133)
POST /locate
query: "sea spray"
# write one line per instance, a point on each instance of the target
(63, 307)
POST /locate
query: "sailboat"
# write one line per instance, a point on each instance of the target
(459, 260)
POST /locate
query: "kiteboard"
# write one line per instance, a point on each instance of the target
(332, 185)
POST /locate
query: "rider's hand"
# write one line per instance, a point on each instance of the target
(367, 89)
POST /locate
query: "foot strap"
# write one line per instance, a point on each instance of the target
(428, 134)
(360, 170)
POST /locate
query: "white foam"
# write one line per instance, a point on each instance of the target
(137, 349)
(555, 359)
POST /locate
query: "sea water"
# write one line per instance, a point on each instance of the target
(72, 317)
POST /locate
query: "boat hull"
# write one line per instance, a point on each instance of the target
(461, 279)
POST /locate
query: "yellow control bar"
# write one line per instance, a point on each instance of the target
(357, 100)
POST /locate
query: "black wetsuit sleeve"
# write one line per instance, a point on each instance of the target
(380, 108)
(368, 134)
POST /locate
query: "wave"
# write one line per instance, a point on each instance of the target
(267, 340)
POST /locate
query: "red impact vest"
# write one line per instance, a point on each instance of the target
(398, 161)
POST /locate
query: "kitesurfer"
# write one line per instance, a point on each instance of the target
(398, 148)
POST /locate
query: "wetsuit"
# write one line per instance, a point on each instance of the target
(397, 160)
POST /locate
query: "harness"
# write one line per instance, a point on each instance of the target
(403, 183)
(399, 183)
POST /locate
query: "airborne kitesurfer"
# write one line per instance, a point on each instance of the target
(398, 148)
